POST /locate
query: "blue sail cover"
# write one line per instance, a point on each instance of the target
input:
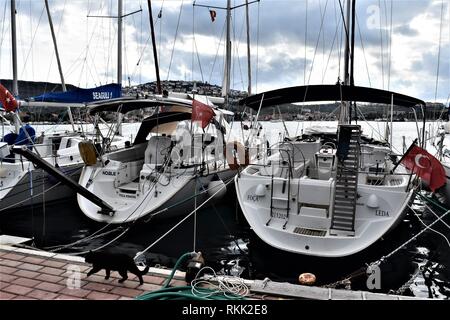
(109, 91)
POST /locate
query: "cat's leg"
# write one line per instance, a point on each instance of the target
(108, 272)
(124, 275)
(141, 280)
(93, 270)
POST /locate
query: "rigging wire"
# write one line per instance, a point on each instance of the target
(390, 47)
(3, 31)
(141, 27)
(363, 50)
(175, 40)
(238, 42)
(53, 53)
(217, 51)
(381, 44)
(31, 32)
(31, 44)
(331, 50)
(257, 52)
(317, 43)
(323, 44)
(439, 51)
(341, 37)
(306, 41)
(193, 41)
(160, 30)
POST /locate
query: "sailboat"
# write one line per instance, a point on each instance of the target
(326, 193)
(180, 163)
(23, 184)
(174, 162)
(439, 145)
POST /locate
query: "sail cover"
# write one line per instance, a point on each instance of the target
(315, 93)
(109, 91)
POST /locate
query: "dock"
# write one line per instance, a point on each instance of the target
(31, 274)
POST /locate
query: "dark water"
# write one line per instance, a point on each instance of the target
(227, 243)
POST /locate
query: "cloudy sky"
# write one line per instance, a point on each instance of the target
(292, 42)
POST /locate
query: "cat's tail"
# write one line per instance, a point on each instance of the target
(145, 271)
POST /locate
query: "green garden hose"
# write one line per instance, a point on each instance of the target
(185, 292)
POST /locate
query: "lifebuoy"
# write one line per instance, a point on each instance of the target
(87, 152)
(236, 155)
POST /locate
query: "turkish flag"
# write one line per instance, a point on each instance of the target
(213, 15)
(7, 99)
(202, 112)
(427, 167)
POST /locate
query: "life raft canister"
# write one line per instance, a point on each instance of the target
(236, 155)
(88, 153)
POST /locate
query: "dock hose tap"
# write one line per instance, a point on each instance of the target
(195, 264)
(185, 292)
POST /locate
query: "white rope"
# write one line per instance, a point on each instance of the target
(184, 219)
(414, 237)
(228, 286)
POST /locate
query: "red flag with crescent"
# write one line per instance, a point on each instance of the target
(7, 99)
(202, 112)
(427, 167)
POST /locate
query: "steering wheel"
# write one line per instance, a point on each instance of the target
(329, 145)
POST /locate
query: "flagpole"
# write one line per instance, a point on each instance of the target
(404, 155)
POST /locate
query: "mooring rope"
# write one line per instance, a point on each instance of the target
(427, 227)
(182, 220)
(362, 270)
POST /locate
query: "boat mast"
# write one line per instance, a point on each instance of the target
(155, 54)
(119, 59)
(249, 90)
(15, 87)
(226, 78)
(227, 64)
(119, 42)
(63, 84)
(345, 106)
(352, 45)
(119, 18)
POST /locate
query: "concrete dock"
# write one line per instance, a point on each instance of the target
(28, 274)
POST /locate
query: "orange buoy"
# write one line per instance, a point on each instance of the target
(307, 279)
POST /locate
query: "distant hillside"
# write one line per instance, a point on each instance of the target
(289, 112)
(29, 89)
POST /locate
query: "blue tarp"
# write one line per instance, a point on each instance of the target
(109, 91)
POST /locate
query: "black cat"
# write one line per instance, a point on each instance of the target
(114, 261)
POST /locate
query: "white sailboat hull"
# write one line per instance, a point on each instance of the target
(30, 186)
(307, 230)
(162, 201)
